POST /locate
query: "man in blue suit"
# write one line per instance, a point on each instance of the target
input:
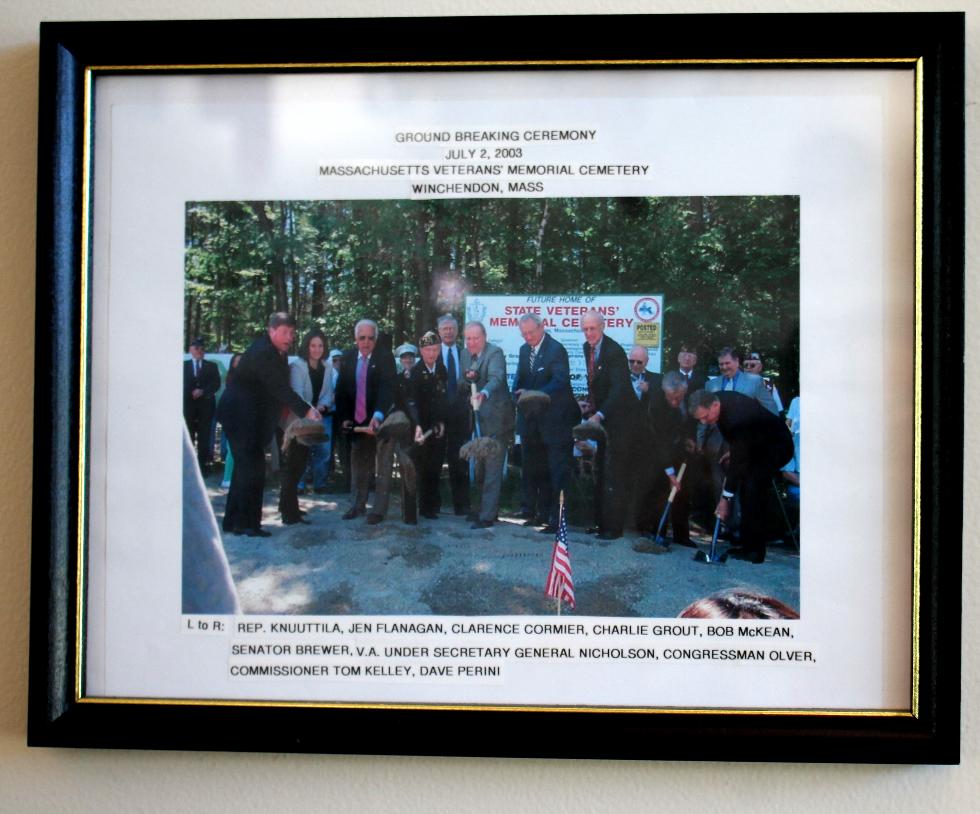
(546, 434)
(611, 404)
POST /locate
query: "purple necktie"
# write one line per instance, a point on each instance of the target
(360, 405)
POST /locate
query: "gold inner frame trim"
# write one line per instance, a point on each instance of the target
(197, 702)
(504, 63)
(91, 71)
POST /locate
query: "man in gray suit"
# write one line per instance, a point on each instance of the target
(485, 370)
(735, 380)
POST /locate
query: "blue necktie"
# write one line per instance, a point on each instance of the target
(451, 370)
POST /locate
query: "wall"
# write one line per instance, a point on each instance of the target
(69, 780)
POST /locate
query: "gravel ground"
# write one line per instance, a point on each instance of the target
(441, 567)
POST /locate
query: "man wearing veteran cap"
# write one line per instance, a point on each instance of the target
(428, 406)
(753, 364)
(407, 355)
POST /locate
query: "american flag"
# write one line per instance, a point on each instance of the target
(560, 584)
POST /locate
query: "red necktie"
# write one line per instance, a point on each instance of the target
(591, 375)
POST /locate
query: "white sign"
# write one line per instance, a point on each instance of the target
(631, 319)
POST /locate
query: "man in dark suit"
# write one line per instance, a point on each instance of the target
(611, 404)
(364, 396)
(201, 381)
(458, 416)
(546, 435)
(672, 431)
(646, 389)
(687, 362)
(732, 379)
(759, 446)
(485, 372)
(427, 406)
(645, 383)
(249, 411)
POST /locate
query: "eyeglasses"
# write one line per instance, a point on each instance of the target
(637, 362)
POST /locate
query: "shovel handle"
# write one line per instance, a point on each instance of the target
(680, 477)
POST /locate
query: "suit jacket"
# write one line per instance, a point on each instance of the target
(695, 382)
(748, 384)
(208, 380)
(458, 418)
(610, 388)
(380, 385)
(428, 399)
(670, 428)
(654, 387)
(551, 376)
(760, 442)
(497, 411)
(254, 396)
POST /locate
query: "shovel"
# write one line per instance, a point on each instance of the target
(712, 557)
(476, 433)
(659, 540)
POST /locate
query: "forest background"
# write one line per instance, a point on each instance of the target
(728, 267)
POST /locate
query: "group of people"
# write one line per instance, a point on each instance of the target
(647, 435)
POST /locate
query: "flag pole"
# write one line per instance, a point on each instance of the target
(561, 509)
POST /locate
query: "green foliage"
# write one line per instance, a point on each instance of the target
(728, 267)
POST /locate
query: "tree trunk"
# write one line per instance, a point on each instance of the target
(420, 272)
(275, 262)
(539, 243)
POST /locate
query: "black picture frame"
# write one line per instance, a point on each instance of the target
(930, 43)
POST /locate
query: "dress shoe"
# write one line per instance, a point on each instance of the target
(350, 514)
(430, 515)
(257, 533)
(482, 524)
(374, 519)
(686, 543)
(235, 532)
(548, 529)
(593, 530)
(610, 535)
(292, 521)
(524, 516)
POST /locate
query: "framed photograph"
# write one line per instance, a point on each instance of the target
(387, 393)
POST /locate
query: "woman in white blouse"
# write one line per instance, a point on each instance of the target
(312, 381)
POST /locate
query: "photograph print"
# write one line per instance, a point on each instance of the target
(493, 406)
